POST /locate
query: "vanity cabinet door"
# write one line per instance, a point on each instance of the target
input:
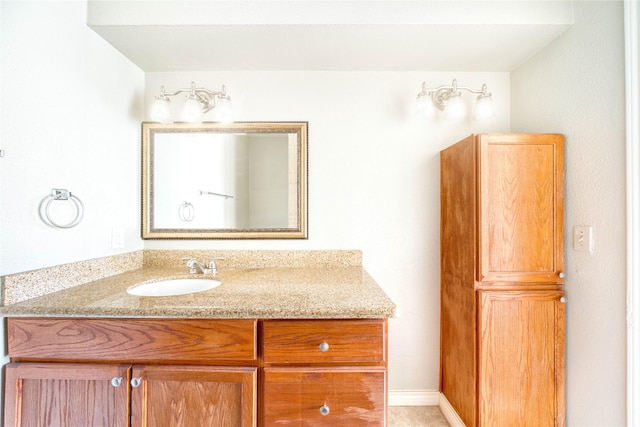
(325, 396)
(71, 395)
(180, 396)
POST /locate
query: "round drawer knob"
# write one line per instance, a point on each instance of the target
(562, 275)
(563, 300)
(135, 382)
(324, 347)
(116, 381)
(324, 410)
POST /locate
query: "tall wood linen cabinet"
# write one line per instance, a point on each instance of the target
(502, 297)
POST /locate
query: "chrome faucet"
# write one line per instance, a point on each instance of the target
(195, 266)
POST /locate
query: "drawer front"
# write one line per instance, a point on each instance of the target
(325, 396)
(132, 340)
(325, 341)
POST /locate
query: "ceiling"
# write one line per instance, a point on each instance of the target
(364, 35)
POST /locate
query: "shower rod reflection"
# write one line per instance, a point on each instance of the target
(210, 193)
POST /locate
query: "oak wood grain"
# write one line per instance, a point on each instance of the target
(354, 396)
(73, 395)
(521, 208)
(458, 268)
(132, 340)
(178, 396)
(519, 368)
(348, 341)
(502, 325)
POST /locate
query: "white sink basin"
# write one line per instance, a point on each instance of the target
(172, 287)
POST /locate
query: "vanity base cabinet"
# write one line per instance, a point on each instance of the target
(196, 372)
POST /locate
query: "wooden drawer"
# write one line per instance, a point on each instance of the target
(325, 396)
(198, 341)
(325, 341)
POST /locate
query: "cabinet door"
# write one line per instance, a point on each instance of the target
(521, 208)
(325, 396)
(70, 395)
(178, 396)
(521, 358)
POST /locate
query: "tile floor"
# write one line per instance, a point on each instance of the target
(416, 416)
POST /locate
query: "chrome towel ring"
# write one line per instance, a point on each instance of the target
(58, 194)
(186, 212)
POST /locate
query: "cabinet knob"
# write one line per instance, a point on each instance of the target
(135, 382)
(324, 410)
(324, 347)
(563, 300)
(116, 381)
(562, 275)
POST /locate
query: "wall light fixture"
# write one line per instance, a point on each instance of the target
(448, 99)
(199, 101)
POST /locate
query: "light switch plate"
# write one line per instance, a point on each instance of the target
(583, 238)
(117, 238)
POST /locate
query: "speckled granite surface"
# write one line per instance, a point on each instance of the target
(295, 287)
(31, 284)
(256, 258)
(283, 293)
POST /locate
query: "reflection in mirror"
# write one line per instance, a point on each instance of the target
(224, 181)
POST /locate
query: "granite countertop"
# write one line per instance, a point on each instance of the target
(245, 293)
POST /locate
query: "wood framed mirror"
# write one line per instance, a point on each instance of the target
(243, 180)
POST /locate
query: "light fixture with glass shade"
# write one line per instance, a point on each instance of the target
(448, 99)
(199, 101)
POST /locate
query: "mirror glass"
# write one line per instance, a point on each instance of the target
(224, 181)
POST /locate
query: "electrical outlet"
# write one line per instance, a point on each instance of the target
(117, 238)
(583, 238)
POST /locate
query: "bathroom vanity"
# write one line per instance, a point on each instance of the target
(270, 346)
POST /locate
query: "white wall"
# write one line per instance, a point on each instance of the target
(71, 112)
(373, 182)
(579, 91)
(70, 118)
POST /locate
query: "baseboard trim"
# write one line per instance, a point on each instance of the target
(449, 413)
(414, 398)
(426, 398)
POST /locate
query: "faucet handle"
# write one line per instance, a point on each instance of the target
(191, 264)
(212, 263)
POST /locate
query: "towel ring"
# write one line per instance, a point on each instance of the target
(60, 194)
(186, 212)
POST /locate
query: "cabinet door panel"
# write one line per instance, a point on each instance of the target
(351, 396)
(178, 396)
(70, 395)
(521, 358)
(521, 208)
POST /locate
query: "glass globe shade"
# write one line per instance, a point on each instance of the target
(192, 111)
(455, 108)
(424, 106)
(161, 111)
(483, 109)
(223, 112)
